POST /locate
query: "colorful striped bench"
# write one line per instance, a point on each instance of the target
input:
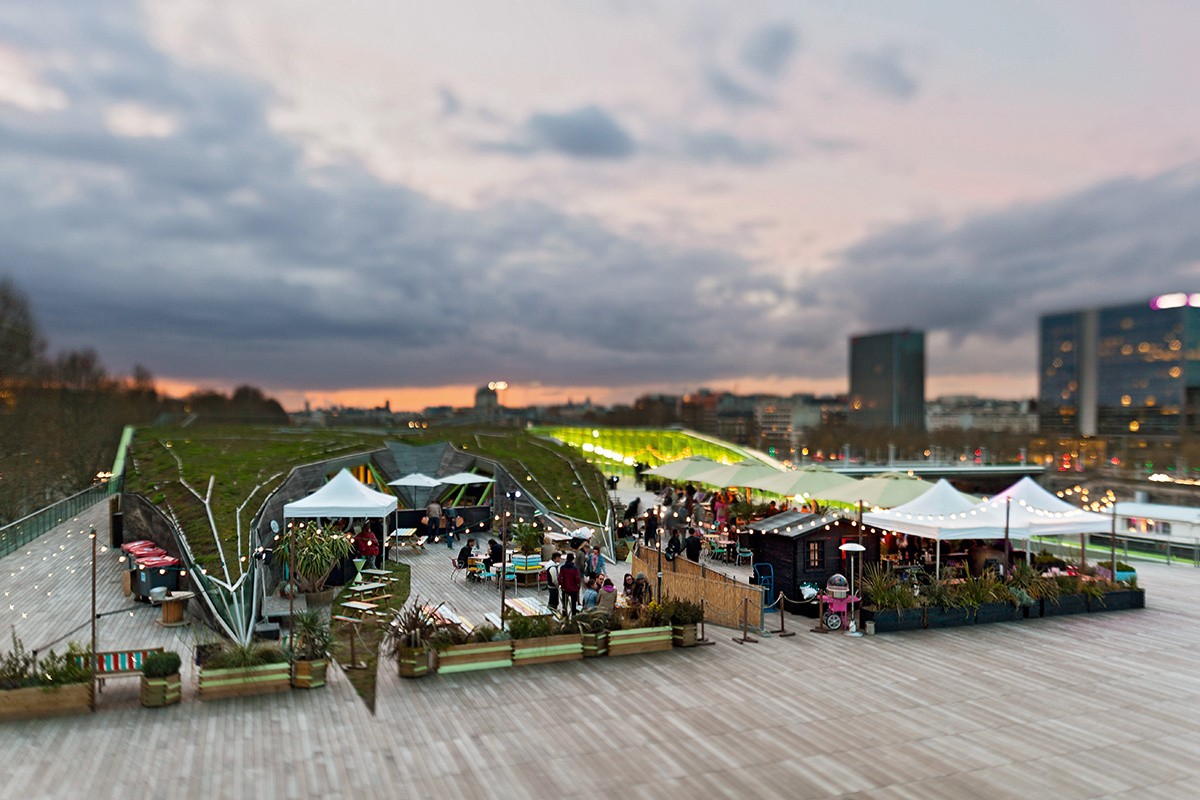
(119, 663)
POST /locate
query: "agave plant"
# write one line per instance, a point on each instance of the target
(318, 550)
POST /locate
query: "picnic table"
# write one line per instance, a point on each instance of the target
(528, 607)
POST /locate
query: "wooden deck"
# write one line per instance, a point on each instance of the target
(1103, 705)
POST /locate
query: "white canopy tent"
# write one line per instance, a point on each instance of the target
(464, 478)
(342, 496)
(1021, 511)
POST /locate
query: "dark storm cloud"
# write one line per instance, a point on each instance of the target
(588, 133)
(769, 49)
(214, 253)
(884, 72)
(993, 275)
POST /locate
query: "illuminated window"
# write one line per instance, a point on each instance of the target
(1126, 399)
(1175, 372)
(1066, 347)
(816, 555)
(1134, 426)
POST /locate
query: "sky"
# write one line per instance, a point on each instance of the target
(388, 200)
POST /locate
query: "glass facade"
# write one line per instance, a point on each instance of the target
(887, 380)
(1144, 363)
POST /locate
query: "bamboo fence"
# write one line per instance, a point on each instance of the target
(724, 597)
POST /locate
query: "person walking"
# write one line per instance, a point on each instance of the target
(569, 581)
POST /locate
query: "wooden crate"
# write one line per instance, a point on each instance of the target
(413, 662)
(309, 674)
(564, 647)
(595, 645)
(36, 702)
(159, 692)
(639, 640)
(243, 681)
(475, 656)
(684, 635)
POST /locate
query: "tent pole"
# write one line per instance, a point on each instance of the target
(1112, 544)
(1007, 509)
(938, 564)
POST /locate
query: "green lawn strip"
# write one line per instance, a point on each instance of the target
(370, 633)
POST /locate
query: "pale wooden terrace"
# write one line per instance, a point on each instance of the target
(1094, 706)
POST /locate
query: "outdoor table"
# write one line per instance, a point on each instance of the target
(362, 589)
(528, 607)
(378, 574)
(173, 606)
(359, 606)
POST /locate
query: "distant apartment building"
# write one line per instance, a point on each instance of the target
(968, 412)
(1121, 370)
(698, 411)
(887, 380)
(783, 421)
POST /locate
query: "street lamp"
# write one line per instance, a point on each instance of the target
(512, 496)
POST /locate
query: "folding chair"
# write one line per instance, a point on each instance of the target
(457, 567)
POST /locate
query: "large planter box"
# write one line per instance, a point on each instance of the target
(684, 635)
(1119, 600)
(889, 620)
(1066, 604)
(639, 640)
(243, 681)
(1122, 575)
(159, 692)
(998, 612)
(36, 702)
(595, 645)
(479, 655)
(564, 647)
(940, 617)
(309, 674)
(413, 662)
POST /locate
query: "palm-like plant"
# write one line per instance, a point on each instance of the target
(311, 635)
(318, 551)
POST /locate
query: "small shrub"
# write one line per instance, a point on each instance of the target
(685, 612)
(161, 665)
(531, 627)
(240, 656)
(488, 633)
(448, 636)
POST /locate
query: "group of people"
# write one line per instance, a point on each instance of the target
(439, 522)
(578, 581)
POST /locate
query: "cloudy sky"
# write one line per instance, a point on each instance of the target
(373, 200)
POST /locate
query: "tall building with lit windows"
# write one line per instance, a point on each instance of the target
(887, 380)
(1121, 370)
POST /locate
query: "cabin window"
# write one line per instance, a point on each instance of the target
(816, 555)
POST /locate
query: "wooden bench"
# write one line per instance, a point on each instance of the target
(119, 663)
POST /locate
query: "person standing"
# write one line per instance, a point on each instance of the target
(433, 513)
(651, 527)
(367, 547)
(569, 581)
(693, 545)
(596, 565)
(552, 580)
(674, 546)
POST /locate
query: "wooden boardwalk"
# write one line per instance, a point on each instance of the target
(1103, 705)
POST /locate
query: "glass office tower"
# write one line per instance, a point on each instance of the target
(887, 380)
(1123, 370)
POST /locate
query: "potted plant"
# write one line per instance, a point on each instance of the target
(540, 640)
(889, 605)
(685, 622)
(308, 643)
(318, 551)
(1124, 573)
(594, 627)
(407, 639)
(238, 670)
(991, 599)
(1069, 597)
(53, 685)
(942, 602)
(527, 561)
(161, 685)
(486, 647)
(650, 631)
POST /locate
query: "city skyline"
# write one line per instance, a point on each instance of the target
(402, 202)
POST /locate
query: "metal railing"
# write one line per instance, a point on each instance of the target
(16, 535)
(1129, 548)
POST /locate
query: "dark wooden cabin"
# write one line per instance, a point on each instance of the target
(803, 548)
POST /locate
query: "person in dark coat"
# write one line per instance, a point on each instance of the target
(674, 546)
(569, 581)
(692, 546)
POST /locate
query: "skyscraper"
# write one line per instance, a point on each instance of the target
(1121, 370)
(887, 380)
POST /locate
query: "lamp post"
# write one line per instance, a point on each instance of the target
(92, 701)
(512, 496)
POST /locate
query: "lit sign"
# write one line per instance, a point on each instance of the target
(1176, 300)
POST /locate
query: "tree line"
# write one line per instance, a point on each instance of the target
(61, 415)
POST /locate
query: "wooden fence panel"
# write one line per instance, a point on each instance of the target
(724, 597)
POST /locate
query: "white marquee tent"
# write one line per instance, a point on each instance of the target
(342, 496)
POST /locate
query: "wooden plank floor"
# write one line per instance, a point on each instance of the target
(1104, 705)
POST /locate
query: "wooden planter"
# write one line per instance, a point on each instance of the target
(1065, 604)
(684, 635)
(998, 612)
(309, 674)
(413, 662)
(942, 617)
(478, 655)
(639, 640)
(159, 692)
(243, 681)
(888, 620)
(321, 598)
(1119, 600)
(595, 645)
(36, 702)
(544, 650)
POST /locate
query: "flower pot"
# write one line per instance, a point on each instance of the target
(942, 617)
(309, 674)
(37, 702)
(684, 635)
(475, 656)
(321, 598)
(889, 620)
(998, 612)
(545, 650)
(639, 640)
(413, 662)
(595, 645)
(244, 681)
(1065, 604)
(159, 692)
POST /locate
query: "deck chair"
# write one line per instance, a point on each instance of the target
(746, 553)
(457, 567)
